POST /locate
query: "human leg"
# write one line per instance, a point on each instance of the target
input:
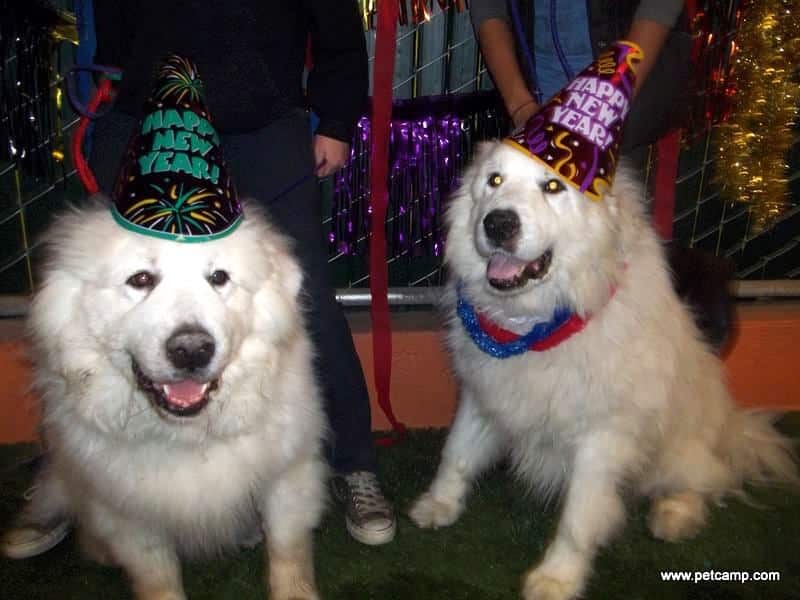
(42, 523)
(274, 166)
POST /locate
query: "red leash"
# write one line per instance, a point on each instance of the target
(669, 149)
(102, 95)
(383, 73)
(668, 153)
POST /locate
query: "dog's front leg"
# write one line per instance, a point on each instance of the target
(148, 559)
(473, 444)
(593, 510)
(293, 507)
(157, 575)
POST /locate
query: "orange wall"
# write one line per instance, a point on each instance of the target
(763, 362)
(761, 365)
(18, 412)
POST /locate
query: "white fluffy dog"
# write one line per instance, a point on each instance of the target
(180, 413)
(635, 399)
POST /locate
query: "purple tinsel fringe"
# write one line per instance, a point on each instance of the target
(431, 139)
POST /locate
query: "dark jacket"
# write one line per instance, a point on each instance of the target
(663, 99)
(250, 55)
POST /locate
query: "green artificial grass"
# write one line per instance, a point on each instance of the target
(481, 557)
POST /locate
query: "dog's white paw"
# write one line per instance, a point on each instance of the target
(677, 517)
(297, 588)
(292, 579)
(539, 584)
(159, 594)
(299, 594)
(431, 512)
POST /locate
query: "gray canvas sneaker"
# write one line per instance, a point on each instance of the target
(369, 516)
(31, 534)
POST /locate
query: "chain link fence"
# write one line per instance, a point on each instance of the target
(705, 218)
(36, 173)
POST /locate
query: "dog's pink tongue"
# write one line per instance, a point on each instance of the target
(503, 266)
(185, 393)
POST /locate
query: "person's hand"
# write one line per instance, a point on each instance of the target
(498, 48)
(523, 112)
(330, 155)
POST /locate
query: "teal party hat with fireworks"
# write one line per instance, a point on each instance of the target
(173, 182)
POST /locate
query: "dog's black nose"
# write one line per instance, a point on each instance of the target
(501, 226)
(190, 348)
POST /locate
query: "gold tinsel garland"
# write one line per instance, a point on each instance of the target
(753, 145)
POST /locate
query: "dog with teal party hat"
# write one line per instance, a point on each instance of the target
(180, 412)
(575, 357)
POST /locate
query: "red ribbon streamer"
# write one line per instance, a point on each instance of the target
(668, 148)
(103, 94)
(383, 74)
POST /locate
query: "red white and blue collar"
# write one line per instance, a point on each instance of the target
(501, 343)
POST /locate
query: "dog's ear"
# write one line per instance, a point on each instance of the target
(482, 150)
(276, 301)
(56, 323)
(54, 320)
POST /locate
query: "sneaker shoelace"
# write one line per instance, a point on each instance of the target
(30, 492)
(365, 492)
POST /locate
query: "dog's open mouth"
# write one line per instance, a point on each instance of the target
(506, 272)
(180, 398)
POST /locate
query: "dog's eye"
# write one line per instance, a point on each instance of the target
(495, 179)
(219, 278)
(143, 280)
(553, 186)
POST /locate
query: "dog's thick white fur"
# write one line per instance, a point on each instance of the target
(635, 400)
(145, 486)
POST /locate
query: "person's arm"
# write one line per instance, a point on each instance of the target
(498, 48)
(491, 23)
(651, 25)
(338, 81)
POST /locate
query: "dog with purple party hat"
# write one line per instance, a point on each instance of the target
(575, 357)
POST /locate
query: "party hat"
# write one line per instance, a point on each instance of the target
(576, 134)
(173, 182)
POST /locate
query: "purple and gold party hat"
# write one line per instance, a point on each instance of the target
(576, 134)
(173, 182)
